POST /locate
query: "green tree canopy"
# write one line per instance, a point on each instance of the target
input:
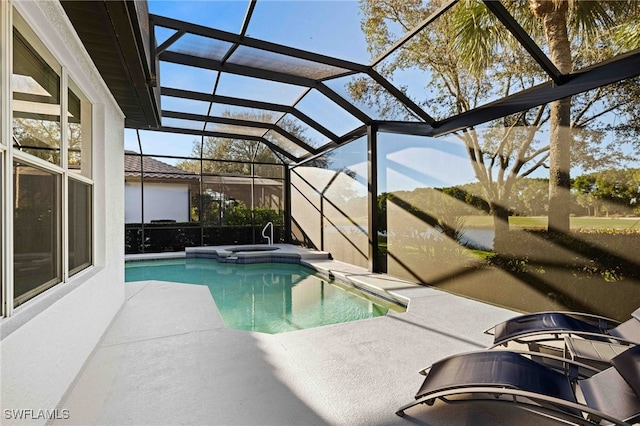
(468, 59)
(235, 155)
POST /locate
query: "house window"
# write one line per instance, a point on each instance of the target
(36, 230)
(80, 226)
(36, 103)
(79, 131)
(51, 159)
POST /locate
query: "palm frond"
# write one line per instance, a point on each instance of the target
(476, 34)
(627, 36)
(589, 20)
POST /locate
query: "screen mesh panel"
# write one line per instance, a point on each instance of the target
(264, 59)
(203, 47)
(284, 143)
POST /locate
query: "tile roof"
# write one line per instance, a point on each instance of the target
(153, 168)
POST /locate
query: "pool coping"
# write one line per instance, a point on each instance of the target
(381, 286)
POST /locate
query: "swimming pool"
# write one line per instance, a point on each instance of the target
(267, 297)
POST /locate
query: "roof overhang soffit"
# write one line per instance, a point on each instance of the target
(116, 34)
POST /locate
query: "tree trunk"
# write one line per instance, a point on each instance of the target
(554, 18)
(501, 226)
(559, 164)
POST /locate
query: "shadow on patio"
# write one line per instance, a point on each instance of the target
(169, 359)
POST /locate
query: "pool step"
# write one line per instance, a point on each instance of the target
(255, 254)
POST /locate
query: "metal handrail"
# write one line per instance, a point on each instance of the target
(269, 238)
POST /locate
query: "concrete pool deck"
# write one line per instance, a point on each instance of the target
(169, 359)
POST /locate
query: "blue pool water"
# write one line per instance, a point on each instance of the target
(265, 297)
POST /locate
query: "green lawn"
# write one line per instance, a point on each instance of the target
(541, 222)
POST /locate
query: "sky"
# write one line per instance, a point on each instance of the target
(330, 28)
(299, 24)
(326, 27)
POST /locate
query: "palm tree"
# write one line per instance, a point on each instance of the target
(588, 20)
(467, 47)
(553, 14)
(554, 23)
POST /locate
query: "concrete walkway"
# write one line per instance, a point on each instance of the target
(168, 359)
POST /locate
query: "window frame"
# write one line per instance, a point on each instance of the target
(6, 180)
(11, 19)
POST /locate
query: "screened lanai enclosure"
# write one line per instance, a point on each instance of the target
(488, 148)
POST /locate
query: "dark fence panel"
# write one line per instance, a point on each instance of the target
(221, 235)
(162, 238)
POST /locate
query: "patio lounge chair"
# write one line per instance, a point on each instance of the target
(545, 326)
(612, 395)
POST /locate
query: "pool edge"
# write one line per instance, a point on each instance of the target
(288, 254)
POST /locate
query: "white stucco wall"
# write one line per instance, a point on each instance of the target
(132, 203)
(161, 201)
(47, 340)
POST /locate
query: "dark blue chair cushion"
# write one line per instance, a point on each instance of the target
(543, 321)
(496, 369)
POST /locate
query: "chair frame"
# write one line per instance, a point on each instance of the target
(537, 335)
(570, 369)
